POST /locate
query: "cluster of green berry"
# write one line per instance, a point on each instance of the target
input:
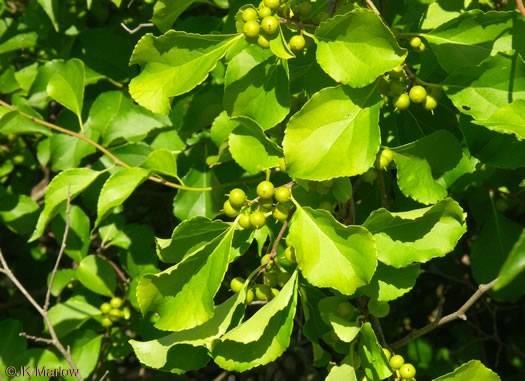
(112, 312)
(237, 201)
(417, 45)
(261, 23)
(383, 160)
(404, 371)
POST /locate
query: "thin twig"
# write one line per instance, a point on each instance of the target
(61, 252)
(137, 28)
(104, 375)
(521, 7)
(119, 272)
(459, 314)
(373, 7)
(37, 339)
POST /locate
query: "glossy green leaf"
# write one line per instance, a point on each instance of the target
(474, 36)
(335, 134)
(472, 370)
(188, 237)
(166, 12)
(66, 86)
(356, 48)
(183, 294)
(263, 337)
(79, 236)
(417, 235)
(390, 283)
(71, 314)
(161, 161)
(441, 11)
(345, 327)
(26, 76)
(85, 347)
(481, 90)
(188, 204)
(18, 212)
(114, 115)
(97, 275)
(263, 152)
(256, 86)
(509, 119)
(13, 123)
(344, 371)
(50, 6)
(12, 343)
(279, 46)
(421, 163)
(222, 126)
(62, 278)
(180, 351)
(169, 68)
(68, 151)
(514, 264)
(76, 180)
(18, 42)
(373, 359)
(118, 188)
(330, 254)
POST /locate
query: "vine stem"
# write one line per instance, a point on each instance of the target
(459, 314)
(43, 311)
(104, 150)
(521, 7)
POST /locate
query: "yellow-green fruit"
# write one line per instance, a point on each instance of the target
(270, 25)
(264, 258)
(430, 103)
(263, 292)
(18, 159)
(236, 284)
(229, 210)
(126, 313)
(369, 176)
(397, 72)
(289, 254)
(237, 198)
(421, 48)
(415, 42)
(402, 102)
(263, 42)
(407, 371)
(272, 4)
(384, 159)
(250, 295)
(115, 302)
(106, 322)
(249, 14)
(265, 189)
(297, 43)
(251, 28)
(244, 221)
(264, 12)
(105, 308)
(396, 361)
(417, 94)
(280, 212)
(257, 219)
(115, 314)
(282, 194)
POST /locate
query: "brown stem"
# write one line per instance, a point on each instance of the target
(521, 7)
(119, 272)
(382, 191)
(37, 339)
(459, 314)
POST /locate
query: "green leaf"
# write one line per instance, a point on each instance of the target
(188, 237)
(441, 11)
(335, 134)
(256, 86)
(70, 315)
(166, 12)
(68, 151)
(97, 275)
(66, 86)
(390, 283)
(14, 123)
(421, 163)
(514, 264)
(417, 235)
(188, 204)
(222, 126)
(481, 90)
(263, 337)
(12, 343)
(114, 115)
(183, 294)
(262, 153)
(76, 180)
(18, 212)
(79, 238)
(279, 46)
(472, 370)
(356, 48)
(62, 279)
(373, 359)
(474, 36)
(49, 6)
(85, 349)
(346, 328)
(162, 161)
(345, 371)
(508, 119)
(19, 41)
(26, 76)
(118, 188)
(330, 254)
(136, 254)
(173, 64)
(177, 351)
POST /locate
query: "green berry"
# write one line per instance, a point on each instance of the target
(18, 159)
(430, 103)
(266, 205)
(237, 198)
(402, 102)
(115, 302)
(384, 159)
(115, 314)
(282, 194)
(263, 292)
(280, 212)
(369, 176)
(244, 221)
(275, 292)
(264, 12)
(126, 313)
(396, 87)
(345, 309)
(237, 284)
(421, 48)
(397, 361)
(265, 189)
(263, 42)
(264, 258)
(250, 295)
(272, 4)
(407, 371)
(106, 322)
(249, 14)
(257, 219)
(297, 43)
(270, 25)
(417, 94)
(304, 9)
(251, 28)
(387, 354)
(397, 72)
(289, 254)
(105, 308)
(322, 16)
(415, 42)
(229, 210)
